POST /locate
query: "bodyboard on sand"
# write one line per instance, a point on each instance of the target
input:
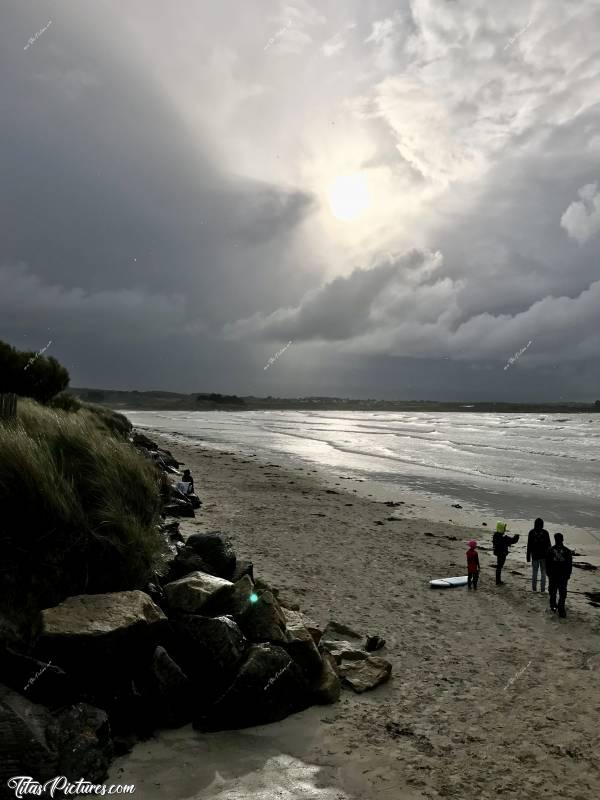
(448, 583)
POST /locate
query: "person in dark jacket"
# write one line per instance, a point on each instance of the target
(187, 478)
(501, 543)
(559, 564)
(538, 544)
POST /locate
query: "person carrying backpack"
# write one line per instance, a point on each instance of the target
(559, 564)
(538, 544)
(501, 543)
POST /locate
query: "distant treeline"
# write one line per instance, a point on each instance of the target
(173, 401)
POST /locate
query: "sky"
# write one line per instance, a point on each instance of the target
(356, 198)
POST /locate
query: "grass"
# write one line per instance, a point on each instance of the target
(78, 506)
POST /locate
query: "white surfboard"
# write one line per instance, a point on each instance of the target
(448, 583)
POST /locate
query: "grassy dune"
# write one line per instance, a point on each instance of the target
(78, 504)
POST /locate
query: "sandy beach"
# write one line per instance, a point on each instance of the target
(490, 693)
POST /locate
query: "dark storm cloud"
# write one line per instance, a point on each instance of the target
(163, 180)
(108, 199)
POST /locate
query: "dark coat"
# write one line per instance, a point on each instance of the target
(538, 544)
(559, 562)
(502, 542)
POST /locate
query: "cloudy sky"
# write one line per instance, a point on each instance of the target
(408, 191)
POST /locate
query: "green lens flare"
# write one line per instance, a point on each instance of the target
(253, 597)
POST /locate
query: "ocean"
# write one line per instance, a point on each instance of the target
(496, 466)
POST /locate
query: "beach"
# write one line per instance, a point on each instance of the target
(490, 693)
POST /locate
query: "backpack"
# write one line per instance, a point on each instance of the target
(497, 543)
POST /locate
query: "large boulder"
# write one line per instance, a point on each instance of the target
(168, 692)
(75, 742)
(185, 562)
(178, 508)
(216, 551)
(188, 595)
(194, 500)
(101, 640)
(236, 602)
(268, 687)
(301, 645)
(264, 620)
(81, 737)
(366, 673)
(209, 650)
(24, 747)
(141, 440)
(328, 687)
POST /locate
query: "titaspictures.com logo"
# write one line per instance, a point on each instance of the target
(25, 785)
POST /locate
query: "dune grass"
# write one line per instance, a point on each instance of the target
(78, 506)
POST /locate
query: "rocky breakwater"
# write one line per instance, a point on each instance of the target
(214, 647)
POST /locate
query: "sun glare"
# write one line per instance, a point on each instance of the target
(349, 196)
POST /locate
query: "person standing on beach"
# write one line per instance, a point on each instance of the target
(559, 564)
(472, 565)
(501, 544)
(538, 544)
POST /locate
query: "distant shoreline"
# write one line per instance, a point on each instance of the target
(172, 401)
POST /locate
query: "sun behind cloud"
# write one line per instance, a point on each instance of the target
(349, 196)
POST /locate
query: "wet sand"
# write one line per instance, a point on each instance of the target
(490, 693)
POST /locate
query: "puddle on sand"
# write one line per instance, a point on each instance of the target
(262, 763)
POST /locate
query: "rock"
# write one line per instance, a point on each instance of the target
(342, 651)
(328, 688)
(208, 648)
(176, 494)
(374, 643)
(236, 602)
(392, 504)
(155, 593)
(81, 736)
(456, 505)
(264, 620)
(194, 500)
(262, 586)
(38, 681)
(185, 561)
(242, 568)
(140, 440)
(188, 595)
(169, 691)
(216, 551)
(178, 508)
(301, 645)
(294, 617)
(268, 687)
(336, 632)
(24, 748)
(342, 643)
(34, 742)
(101, 639)
(366, 673)
(168, 458)
(171, 529)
